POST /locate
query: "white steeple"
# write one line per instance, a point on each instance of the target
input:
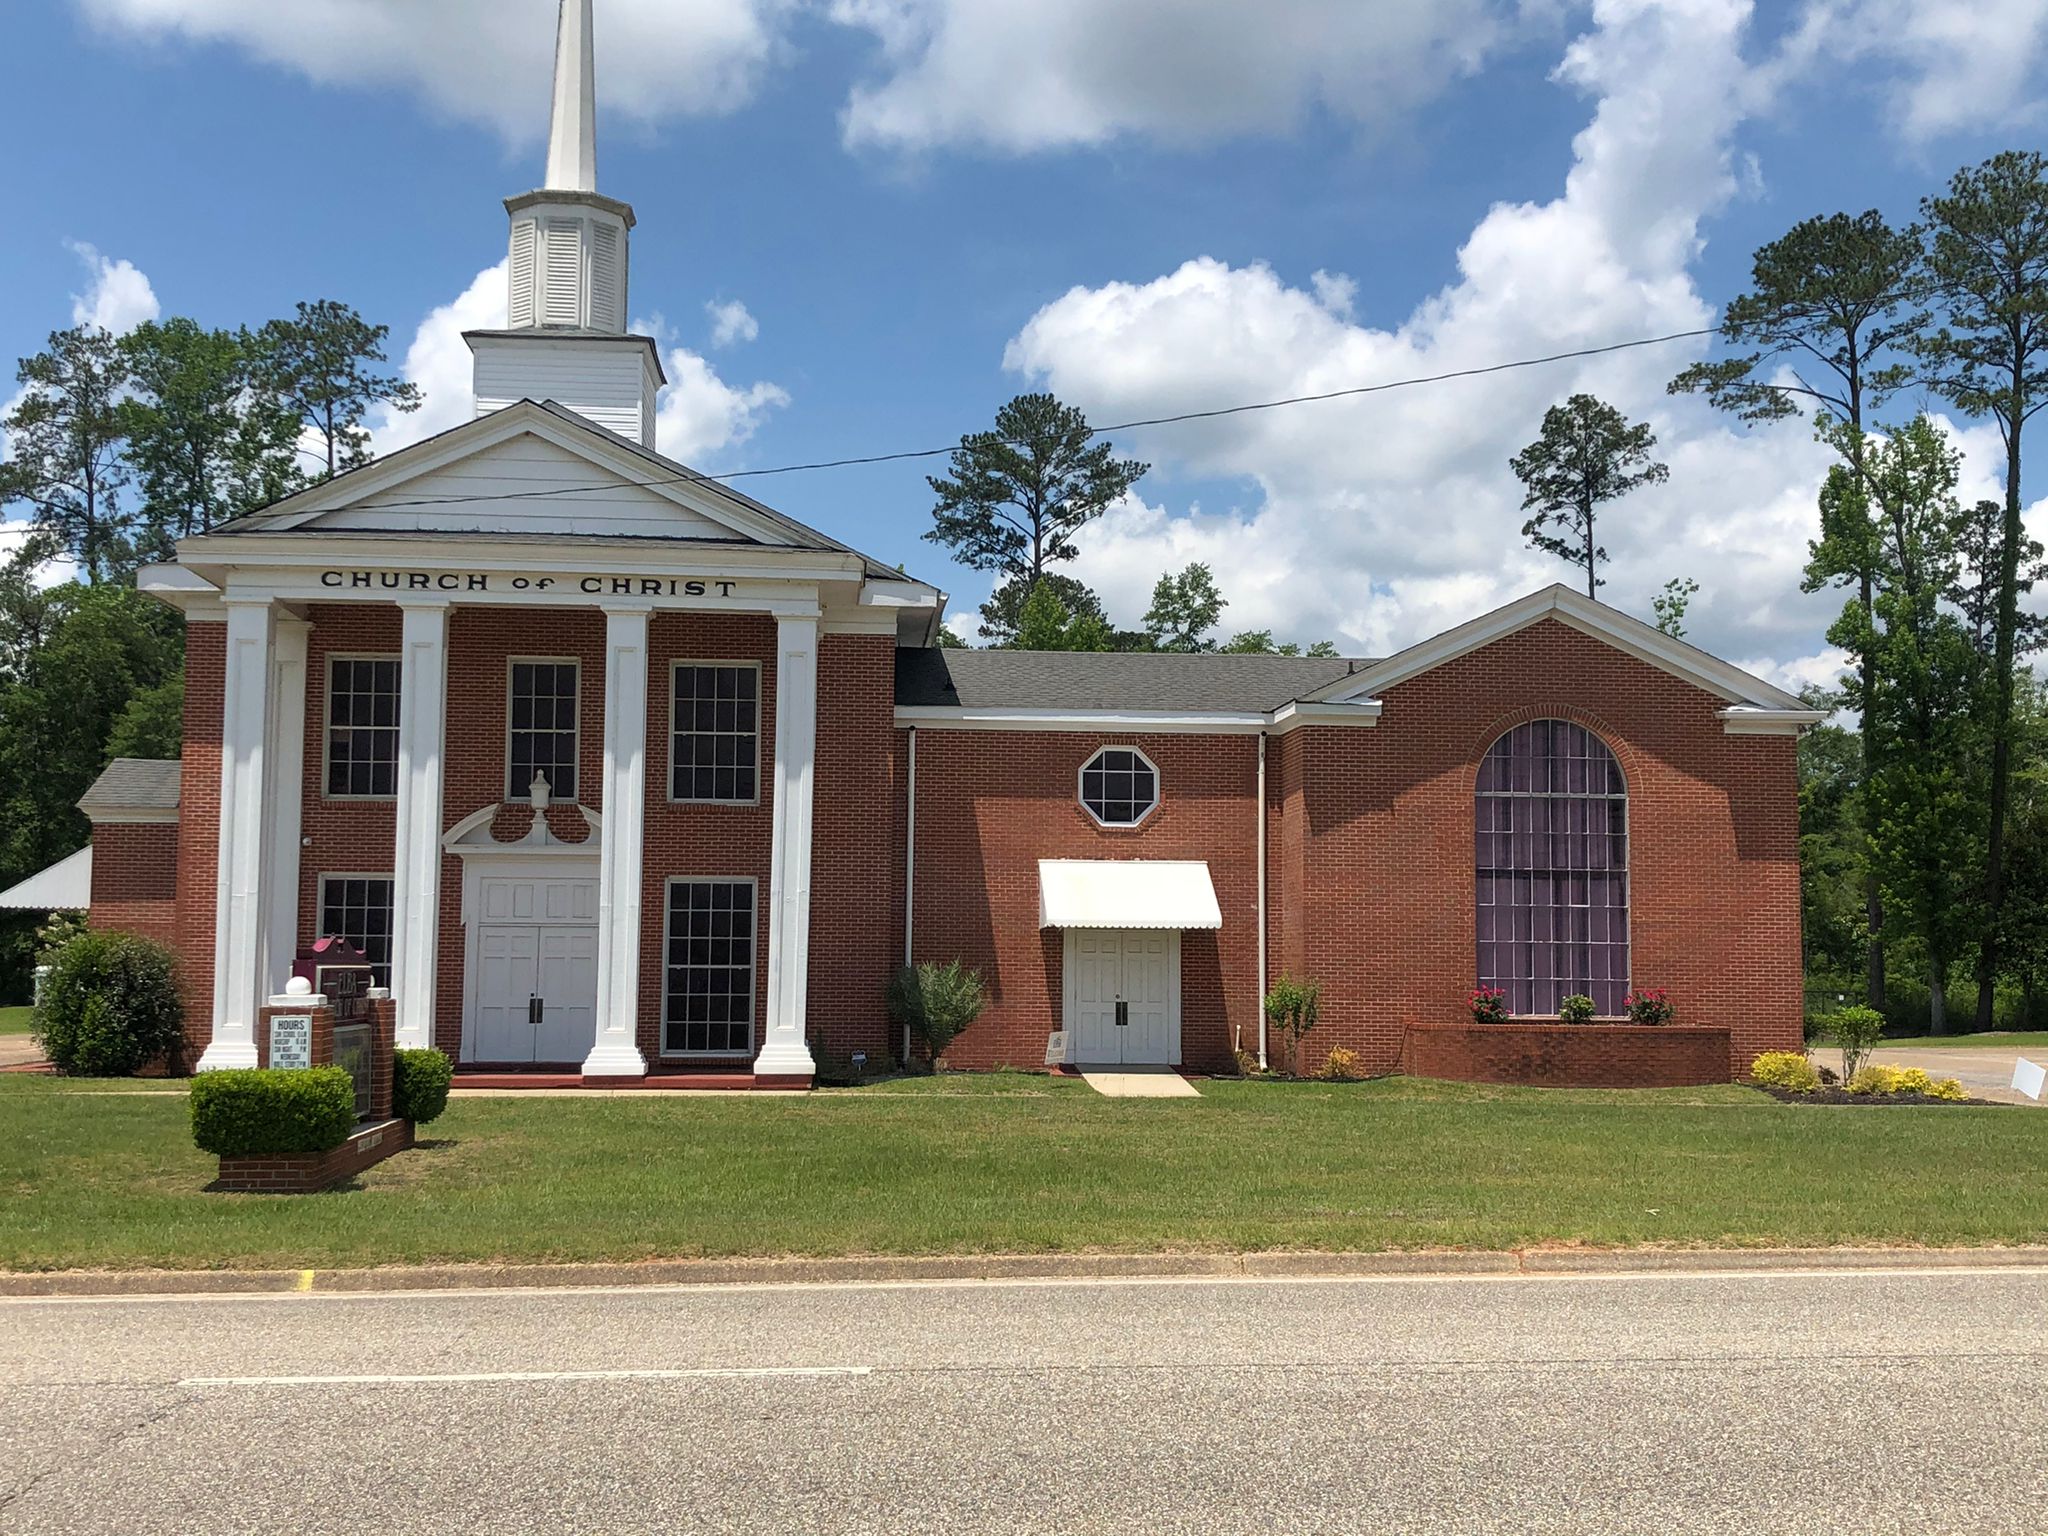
(569, 263)
(572, 144)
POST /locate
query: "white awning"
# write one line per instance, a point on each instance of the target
(1126, 893)
(65, 886)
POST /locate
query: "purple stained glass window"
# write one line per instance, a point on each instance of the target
(1551, 833)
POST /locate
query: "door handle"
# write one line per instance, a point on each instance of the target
(534, 1005)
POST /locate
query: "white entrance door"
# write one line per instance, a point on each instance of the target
(1123, 996)
(534, 996)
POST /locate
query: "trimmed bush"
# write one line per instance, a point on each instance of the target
(110, 1005)
(1576, 1009)
(1789, 1070)
(1947, 1088)
(936, 1001)
(419, 1085)
(273, 1114)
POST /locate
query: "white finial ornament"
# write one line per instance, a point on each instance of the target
(540, 792)
(572, 143)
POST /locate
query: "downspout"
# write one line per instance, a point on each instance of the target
(1262, 901)
(910, 871)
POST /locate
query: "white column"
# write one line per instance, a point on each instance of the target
(286, 774)
(239, 915)
(416, 860)
(785, 1052)
(616, 1050)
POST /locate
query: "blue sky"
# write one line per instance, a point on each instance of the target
(927, 205)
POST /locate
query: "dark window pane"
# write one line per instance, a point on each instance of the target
(359, 910)
(709, 1002)
(362, 718)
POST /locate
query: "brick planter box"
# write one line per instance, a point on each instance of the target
(370, 1145)
(1569, 1055)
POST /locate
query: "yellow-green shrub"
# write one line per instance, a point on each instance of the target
(1947, 1088)
(1911, 1080)
(1789, 1070)
(1343, 1065)
(1874, 1080)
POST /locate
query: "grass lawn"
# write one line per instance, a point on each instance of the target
(14, 1021)
(90, 1177)
(2006, 1040)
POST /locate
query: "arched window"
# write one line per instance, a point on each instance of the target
(1552, 822)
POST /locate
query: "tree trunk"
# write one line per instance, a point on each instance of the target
(2001, 725)
(1937, 999)
(1873, 896)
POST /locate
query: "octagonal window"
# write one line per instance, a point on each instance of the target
(1119, 786)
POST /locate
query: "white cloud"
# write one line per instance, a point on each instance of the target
(1381, 520)
(440, 363)
(700, 414)
(731, 323)
(117, 297)
(1036, 74)
(1958, 64)
(487, 61)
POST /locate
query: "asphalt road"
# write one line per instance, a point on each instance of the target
(1781, 1403)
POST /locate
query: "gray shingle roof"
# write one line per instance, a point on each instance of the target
(1109, 680)
(134, 784)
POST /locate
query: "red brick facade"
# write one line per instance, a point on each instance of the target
(135, 879)
(1569, 1055)
(1370, 832)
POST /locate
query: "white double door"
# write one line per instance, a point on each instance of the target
(1123, 996)
(535, 982)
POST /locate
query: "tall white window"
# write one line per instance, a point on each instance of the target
(715, 744)
(708, 996)
(542, 712)
(362, 727)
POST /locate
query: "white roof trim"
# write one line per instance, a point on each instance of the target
(1743, 720)
(65, 886)
(1631, 635)
(1161, 722)
(1126, 893)
(385, 475)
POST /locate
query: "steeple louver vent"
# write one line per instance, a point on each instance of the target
(607, 279)
(563, 295)
(525, 237)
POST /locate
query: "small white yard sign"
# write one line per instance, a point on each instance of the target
(2029, 1077)
(1056, 1048)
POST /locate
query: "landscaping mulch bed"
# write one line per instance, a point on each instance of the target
(1837, 1095)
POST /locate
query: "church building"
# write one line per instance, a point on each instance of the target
(618, 774)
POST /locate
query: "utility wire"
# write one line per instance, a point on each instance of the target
(696, 478)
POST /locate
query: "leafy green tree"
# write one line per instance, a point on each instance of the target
(1834, 306)
(2024, 943)
(1833, 851)
(327, 365)
(1004, 610)
(1671, 604)
(151, 724)
(1046, 625)
(1259, 642)
(1978, 592)
(1587, 454)
(1988, 257)
(205, 441)
(1924, 800)
(1186, 607)
(1017, 495)
(66, 440)
(948, 641)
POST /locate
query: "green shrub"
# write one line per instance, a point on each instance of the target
(1866, 1081)
(271, 1113)
(1785, 1069)
(1947, 1088)
(110, 1005)
(1576, 1009)
(419, 1085)
(1650, 1005)
(1855, 1030)
(936, 1001)
(1293, 1008)
(1343, 1065)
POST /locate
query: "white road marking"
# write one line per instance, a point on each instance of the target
(467, 1377)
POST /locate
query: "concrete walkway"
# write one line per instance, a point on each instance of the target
(1985, 1071)
(1139, 1083)
(18, 1050)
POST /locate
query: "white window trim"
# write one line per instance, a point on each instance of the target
(327, 726)
(320, 928)
(516, 794)
(1081, 795)
(676, 664)
(753, 883)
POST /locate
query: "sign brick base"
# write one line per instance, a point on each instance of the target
(370, 1145)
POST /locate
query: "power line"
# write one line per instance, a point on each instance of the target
(696, 478)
